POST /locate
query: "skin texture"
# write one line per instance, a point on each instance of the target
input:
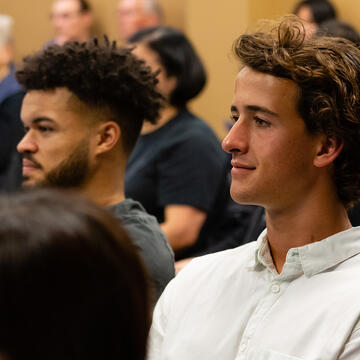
(279, 165)
(63, 146)
(45, 136)
(272, 154)
(69, 22)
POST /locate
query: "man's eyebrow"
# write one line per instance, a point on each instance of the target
(42, 118)
(255, 108)
(261, 109)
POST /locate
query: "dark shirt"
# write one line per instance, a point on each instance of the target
(182, 163)
(11, 132)
(150, 240)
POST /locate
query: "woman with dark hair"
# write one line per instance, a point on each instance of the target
(178, 169)
(72, 285)
(314, 12)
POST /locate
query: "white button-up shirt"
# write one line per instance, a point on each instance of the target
(234, 305)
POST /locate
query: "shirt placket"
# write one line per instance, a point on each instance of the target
(276, 286)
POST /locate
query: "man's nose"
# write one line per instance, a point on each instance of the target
(237, 139)
(27, 144)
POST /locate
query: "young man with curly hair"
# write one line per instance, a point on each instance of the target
(294, 293)
(83, 111)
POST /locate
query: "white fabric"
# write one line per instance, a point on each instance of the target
(234, 305)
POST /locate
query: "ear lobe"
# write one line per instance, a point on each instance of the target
(108, 136)
(328, 152)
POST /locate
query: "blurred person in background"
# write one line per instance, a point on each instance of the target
(83, 111)
(313, 13)
(11, 96)
(71, 20)
(134, 15)
(178, 170)
(72, 284)
(339, 28)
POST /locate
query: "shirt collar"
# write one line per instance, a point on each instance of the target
(315, 257)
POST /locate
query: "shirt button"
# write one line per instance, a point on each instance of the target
(243, 347)
(275, 288)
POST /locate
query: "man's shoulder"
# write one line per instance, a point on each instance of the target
(147, 235)
(219, 265)
(137, 221)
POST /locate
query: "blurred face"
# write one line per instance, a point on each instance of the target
(56, 145)
(166, 83)
(305, 14)
(130, 15)
(5, 57)
(69, 22)
(272, 153)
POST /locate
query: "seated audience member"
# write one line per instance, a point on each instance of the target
(83, 111)
(71, 20)
(11, 96)
(295, 150)
(72, 285)
(178, 170)
(313, 13)
(135, 15)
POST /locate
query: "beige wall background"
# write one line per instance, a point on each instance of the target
(212, 25)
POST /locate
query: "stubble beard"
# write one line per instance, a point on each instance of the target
(72, 172)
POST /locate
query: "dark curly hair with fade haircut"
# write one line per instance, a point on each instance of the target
(106, 78)
(327, 72)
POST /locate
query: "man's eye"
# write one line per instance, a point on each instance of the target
(44, 129)
(234, 118)
(261, 122)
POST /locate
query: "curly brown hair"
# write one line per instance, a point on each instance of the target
(327, 72)
(106, 78)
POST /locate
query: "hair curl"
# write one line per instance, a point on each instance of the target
(102, 76)
(327, 72)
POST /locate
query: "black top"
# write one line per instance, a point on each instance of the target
(150, 240)
(181, 163)
(11, 132)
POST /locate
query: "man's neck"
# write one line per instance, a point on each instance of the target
(106, 186)
(312, 220)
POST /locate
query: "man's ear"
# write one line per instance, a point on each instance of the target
(329, 149)
(108, 135)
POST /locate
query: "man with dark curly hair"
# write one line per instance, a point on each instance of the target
(83, 111)
(294, 293)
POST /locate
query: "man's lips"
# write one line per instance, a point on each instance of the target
(28, 166)
(239, 165)
(240, 168)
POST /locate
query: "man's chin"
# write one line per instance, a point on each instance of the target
(29, 183)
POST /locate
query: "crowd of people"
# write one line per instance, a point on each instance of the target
(128, 230)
